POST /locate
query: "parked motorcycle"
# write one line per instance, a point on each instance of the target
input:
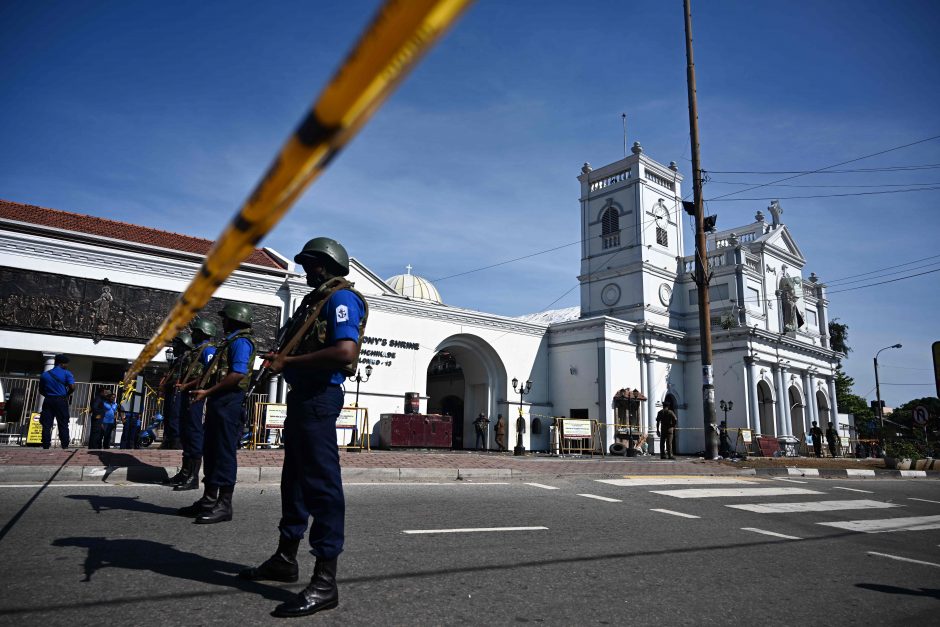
(149, 435)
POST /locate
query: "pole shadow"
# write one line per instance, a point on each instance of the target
(137, 471)
(167, 560)
(922, 592)
(101, 503)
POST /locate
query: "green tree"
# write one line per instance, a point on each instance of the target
(846, 401)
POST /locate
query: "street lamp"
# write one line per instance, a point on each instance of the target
(881, 413)
(360, 379)
(520, 421)
(726, 407)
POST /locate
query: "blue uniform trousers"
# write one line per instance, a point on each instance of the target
(192, 433)
(171, 416)
(223, 429)
(57, 408)
(310, 480)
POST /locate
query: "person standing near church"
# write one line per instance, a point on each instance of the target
(223, 387)
(326, 332)
(182, 344)
(482, 426)
(500, 432)
(817, 435)
(192, 435)
(666, 423)
(55, 386)
(832, 439)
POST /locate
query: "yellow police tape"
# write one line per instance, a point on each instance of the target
(402, 31)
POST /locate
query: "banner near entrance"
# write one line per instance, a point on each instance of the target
(34, 435)
(577, 436)
(352, 428)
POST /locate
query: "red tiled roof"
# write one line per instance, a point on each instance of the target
(92, 225)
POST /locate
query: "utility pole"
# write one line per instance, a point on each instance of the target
(701, 267)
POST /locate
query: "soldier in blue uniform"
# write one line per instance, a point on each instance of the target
(223, 387)
(320, 351)
(182, 344)
(56, 385)
(194, 364)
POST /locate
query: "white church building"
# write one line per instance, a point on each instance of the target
(96, 289)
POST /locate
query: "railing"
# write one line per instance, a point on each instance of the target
(611, 241)
(752, 262)
(714, 261)
(610, 180)
(660, 180)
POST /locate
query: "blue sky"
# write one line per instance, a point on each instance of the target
(166, 114)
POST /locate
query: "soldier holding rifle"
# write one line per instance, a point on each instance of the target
(182, 344)
(320, 349)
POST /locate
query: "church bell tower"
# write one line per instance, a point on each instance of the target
(631, 231)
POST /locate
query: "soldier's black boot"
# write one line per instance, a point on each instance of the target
(209, 497)
(221, 511)
(282, 566)
(192, 480)
(320, 595)
(183, 475)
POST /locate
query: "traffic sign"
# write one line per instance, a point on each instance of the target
(936, 364)
(920, 415)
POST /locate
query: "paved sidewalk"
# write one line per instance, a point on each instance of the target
(20, 464)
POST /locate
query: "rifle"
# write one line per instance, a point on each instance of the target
(296, 327)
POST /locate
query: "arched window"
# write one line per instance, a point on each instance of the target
(610, 228)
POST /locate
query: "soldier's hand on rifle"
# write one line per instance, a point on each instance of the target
(199, 395)
(275, 361)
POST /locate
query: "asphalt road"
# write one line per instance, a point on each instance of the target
(640, 554)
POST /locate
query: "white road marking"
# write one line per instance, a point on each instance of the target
(601, 498)
(770, 533)
(813, 506)
(859, 472)
(852, 489)
(702, 493)
(669, 511)
(903, 559)
(472, 530)
(789, 480)
(923, 500)
(414, 483)
(543, 486)
(680, 480)
(887, 525)
(84, 484)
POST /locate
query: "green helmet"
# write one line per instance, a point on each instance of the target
(205, 326)
(185, 339)
(328, 249)
(239, 312)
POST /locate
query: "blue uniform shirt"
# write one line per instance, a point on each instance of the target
(344, 312)
(239, 352)
(108, 412)
(53, 382)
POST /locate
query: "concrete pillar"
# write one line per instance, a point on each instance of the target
(48, 364)
(781, 401)
(272, 388)
(651, 404)
(787, 416)
(811, 396)
(809, 412)
(833, 408)
(752, 415)
(644, 415)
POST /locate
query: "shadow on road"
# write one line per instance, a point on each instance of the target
(101, 503)
(165, 559)
(922, 592)
(137, 472)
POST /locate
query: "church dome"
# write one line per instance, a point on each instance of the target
(414, 286)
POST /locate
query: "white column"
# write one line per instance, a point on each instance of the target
(753, 411)
(781, 401)
(49, 364)
(811, 396)
(787, 417)
(832, 400)
(643, 417)
(651, 404)
(809, 412)
(272, 388)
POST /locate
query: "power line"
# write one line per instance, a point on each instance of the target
(887, 191)
(849, 289)
(887, 274)
(714, 182)
(899, 168)
(852, 276)
(835, 165)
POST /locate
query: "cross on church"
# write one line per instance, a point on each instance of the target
(408, 268)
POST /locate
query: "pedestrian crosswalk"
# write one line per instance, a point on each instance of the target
(775, 500)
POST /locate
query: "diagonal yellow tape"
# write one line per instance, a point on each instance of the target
(402, 31)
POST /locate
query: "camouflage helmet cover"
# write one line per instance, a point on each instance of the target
(185, 339)
(239, 312)
(205, 326)
(326, 248)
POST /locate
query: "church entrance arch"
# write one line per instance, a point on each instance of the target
(465, 377)
(765, 408)
(798, 425)
(825, 414)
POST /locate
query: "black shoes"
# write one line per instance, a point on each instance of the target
(221, 510)
(191, 480)
(183, 475)
(205, 504)
(282, 566)
(320, 595)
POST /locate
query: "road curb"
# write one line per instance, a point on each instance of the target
(853, 473)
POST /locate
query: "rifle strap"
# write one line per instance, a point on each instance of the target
(321, 296)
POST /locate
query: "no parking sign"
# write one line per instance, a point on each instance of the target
(920, 415)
